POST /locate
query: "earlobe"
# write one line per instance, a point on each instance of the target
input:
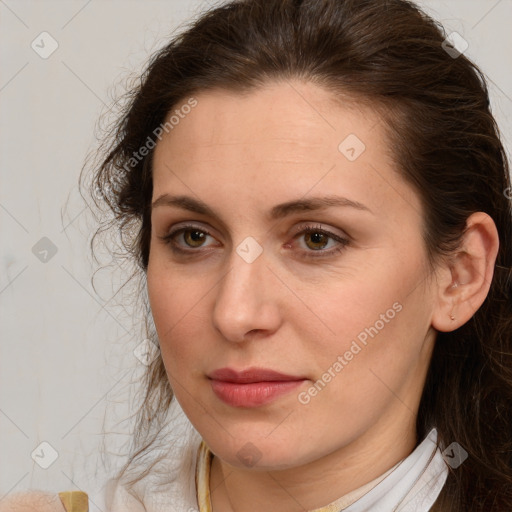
(467, 278)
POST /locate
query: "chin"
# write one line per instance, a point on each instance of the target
(258, 454)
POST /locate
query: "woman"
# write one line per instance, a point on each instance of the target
(318, 200)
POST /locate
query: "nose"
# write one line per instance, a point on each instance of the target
(247, 302)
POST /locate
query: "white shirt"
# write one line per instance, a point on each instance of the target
(412, 485)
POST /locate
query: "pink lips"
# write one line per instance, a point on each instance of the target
(252, 387)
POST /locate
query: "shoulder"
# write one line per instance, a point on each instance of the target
(169, 484)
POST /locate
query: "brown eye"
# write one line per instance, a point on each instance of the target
(316, 240)
(194, 237)
(186, 239)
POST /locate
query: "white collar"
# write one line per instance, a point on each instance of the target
(413, 486)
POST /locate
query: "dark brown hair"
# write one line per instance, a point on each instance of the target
(444, 141)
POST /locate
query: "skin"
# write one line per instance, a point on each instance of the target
(242, 155)
(32, 501)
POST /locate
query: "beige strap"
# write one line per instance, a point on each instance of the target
(75, 501)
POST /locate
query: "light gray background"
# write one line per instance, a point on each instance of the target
(66, 358)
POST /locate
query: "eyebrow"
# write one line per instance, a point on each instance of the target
(277, 212)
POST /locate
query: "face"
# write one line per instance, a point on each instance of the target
(287, 277)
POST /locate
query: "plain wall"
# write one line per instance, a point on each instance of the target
(66, 354)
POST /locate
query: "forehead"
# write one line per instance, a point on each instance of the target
(285, 112)
(285, 138)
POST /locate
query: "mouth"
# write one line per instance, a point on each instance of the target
(252, 387)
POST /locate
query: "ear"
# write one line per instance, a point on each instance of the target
(464, 282)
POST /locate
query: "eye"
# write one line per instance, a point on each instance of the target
(316, 239)
(186, 238)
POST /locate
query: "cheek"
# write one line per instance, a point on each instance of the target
(351, 309)
(373, 326)
(365, 338)
(177, 306)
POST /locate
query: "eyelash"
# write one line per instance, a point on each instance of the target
(302, 230)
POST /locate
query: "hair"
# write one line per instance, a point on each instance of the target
(444, 141)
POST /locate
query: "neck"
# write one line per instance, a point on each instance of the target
(313, 485)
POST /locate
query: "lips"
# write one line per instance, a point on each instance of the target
(251, 375)
(252, 387)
